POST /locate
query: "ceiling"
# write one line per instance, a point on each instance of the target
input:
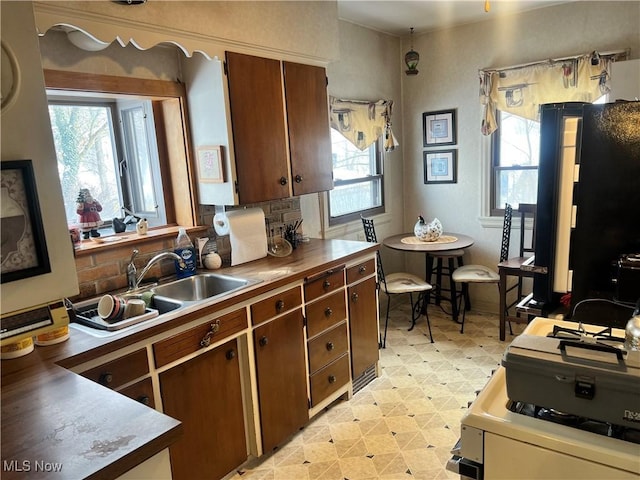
(396, 17)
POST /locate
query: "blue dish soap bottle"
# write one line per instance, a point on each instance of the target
(186, 251)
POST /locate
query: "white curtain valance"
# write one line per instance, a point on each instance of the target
(521, 90)
(362, 122)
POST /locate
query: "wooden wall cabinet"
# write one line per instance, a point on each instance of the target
(280, 124)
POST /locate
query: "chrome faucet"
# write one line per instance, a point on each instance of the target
(136, 281)
(131, 270)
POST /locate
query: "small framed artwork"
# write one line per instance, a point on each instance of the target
(209, 159)
(440, 166)
(23, 251)
(439, 128)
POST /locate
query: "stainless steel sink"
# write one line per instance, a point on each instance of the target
(199, 287)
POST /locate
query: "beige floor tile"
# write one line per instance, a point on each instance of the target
(404, 423)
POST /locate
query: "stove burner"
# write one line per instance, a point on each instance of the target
(626, 434)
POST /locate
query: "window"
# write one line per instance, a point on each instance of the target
(109, 147)
(515, 155)
(358, 180)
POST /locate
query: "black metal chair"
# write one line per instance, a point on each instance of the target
(398, 283)
(480, 273)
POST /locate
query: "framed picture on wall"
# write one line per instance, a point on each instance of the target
(439, 128)
(23, 251)
(440, 166)
(209, 159)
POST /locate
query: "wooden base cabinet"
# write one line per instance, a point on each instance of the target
(205, 394)
(363, 325)
(281, 374)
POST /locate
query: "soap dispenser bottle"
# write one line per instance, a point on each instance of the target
(185, 250)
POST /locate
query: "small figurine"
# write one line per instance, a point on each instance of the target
(87, 209)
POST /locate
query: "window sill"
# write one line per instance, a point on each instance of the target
(106, 243)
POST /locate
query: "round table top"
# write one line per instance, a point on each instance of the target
(395, 242)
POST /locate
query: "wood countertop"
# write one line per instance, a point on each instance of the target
(50, 414)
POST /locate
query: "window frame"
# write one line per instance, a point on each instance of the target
(169, 105)
(496, 168)
(378, 177)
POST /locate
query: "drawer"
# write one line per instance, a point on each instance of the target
(360, 271)
(330, 379)
(275, 305)
(121, 370)
(141, 391)
(192, 340)
(327, 347)
(323, 283)
(325, 313)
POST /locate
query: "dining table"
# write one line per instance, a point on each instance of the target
(446, 243)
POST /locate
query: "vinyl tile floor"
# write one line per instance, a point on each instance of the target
(404, 423)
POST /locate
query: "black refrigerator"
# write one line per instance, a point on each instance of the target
(588, 211)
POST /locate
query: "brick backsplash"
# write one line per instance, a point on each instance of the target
(105, 271)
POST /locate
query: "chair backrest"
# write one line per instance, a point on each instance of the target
(527, 210)
(506, 232)
(370, 236)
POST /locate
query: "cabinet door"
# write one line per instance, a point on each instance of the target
(363, 325)
(308, 120)
(205, 395)
(258, 123)
(282, 384)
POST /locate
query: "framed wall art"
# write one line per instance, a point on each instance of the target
(439, 128)
(440, 166)
(23, 251)
(209, 160)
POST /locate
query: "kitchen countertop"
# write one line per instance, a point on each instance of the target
(50, 414)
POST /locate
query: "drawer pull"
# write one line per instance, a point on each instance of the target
(354, 297)
(143, 399)
(263, 341)
(332, 379)
(328, 312)
(330, 346)
(231, 354)
(362, 270)
(105, 379)
(213, 329)
(279, 306)
(326, 284)
(283, 180)
(298, 178)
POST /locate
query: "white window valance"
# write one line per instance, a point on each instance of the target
(521, 90)
(362, 122)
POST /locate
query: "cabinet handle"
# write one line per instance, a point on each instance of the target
(279, 306)
(326, 284)
(263, 341)
(354, 297)
(283, 181)
(332, 379)
(213, 329)
(231, 354)
(298, 178)
(105, 379)
(328, 312)
(143, 399)
(330, 346)
(362, 270)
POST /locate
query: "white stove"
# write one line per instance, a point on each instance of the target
(497, 443)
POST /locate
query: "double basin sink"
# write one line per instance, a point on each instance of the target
(168, 297)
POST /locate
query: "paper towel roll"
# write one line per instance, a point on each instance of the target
(221, 224)
(247, 235)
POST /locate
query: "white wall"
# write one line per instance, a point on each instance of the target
(448, 79)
